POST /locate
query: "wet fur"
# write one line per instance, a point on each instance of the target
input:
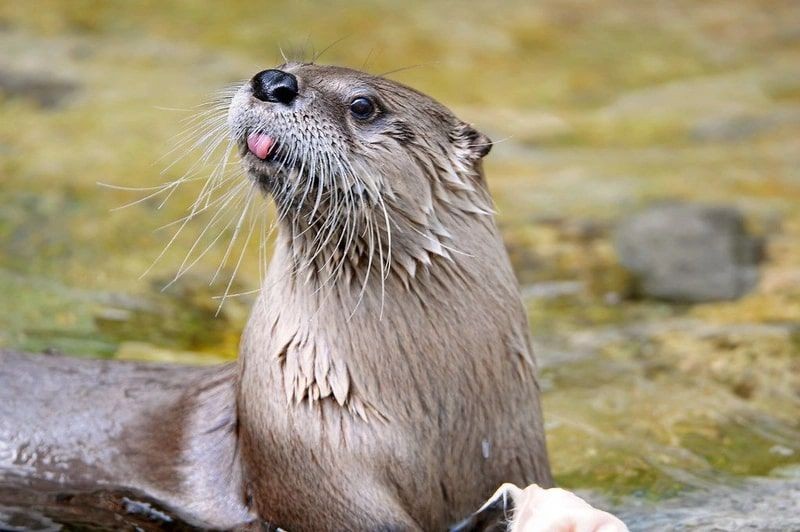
(408, 382)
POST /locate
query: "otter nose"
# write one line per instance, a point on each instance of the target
(274, 86)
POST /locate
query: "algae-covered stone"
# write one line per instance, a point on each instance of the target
(758, 504)
(689, 253)
(42, 88)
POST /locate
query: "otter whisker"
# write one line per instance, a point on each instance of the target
(164, 187)
(347, 233)
(388, 232)
(241, 254)
(171, 185)
(193, 125)
(491, 142)
(197, 110)
(238, 294)
(172, 240)
(334, 268)
(381, 265)
(212, 183)
(366, 60)
(199, 129)
(175, 109)
(212, 123)
(325, 234)
(199, 163)
(316, 57)
(212, 139)
(265, 238)
(321, 185)
(194, 137)
(217, 99)
(308, 47)
(236, 231)
(158, 190)
(186, 268)
(216, 174)
(262, 253)
(409, 67)
(112, 186)
(288, 162)
(368, 270)
(331, 197)
(202, 118)
(183, 268)
(326, 231)
(309, 181)
(203, 209)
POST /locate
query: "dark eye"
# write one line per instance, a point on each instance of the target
(362, 108)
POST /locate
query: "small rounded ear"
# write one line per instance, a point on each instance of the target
(474, 144)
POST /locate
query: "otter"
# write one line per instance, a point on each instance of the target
(385, 378)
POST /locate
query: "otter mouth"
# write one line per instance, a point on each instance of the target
(261, 145)
(262, 155)
(260, 149)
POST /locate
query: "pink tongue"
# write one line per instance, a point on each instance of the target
(260, 144)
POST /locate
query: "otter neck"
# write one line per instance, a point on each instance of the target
(347, 339)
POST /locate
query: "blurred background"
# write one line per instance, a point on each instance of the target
(647, 180)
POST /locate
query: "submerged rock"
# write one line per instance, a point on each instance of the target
(689, 253)
(46, 91)
(739, 128)
(755, 504)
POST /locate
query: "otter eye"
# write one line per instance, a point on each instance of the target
(362, 108)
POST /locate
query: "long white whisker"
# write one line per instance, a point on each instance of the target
(241, 256)
(182, 269)
(236, 231)
(171, 185)
(211, 204)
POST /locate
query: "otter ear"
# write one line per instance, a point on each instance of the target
(474, 144)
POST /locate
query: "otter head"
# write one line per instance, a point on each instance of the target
(354, 160)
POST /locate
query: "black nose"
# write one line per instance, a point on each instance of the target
(274, 86)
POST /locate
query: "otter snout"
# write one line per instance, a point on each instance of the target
(275, 86)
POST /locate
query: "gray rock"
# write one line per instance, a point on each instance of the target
(764, 504)
(740, 128)
(688, 253)
(46, 91)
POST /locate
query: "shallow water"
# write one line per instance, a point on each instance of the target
(598, 109)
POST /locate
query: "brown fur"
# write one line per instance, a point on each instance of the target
(403, 393)
(385, 378)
